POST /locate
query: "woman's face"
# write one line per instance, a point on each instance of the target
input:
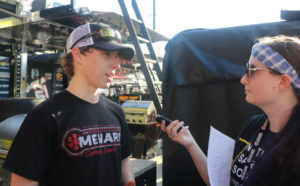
(262, 86)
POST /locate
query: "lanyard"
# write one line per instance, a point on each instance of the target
(258, 139)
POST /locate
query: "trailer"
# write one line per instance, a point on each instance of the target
(33, 35)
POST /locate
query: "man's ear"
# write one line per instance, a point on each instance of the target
(285, 81)
(77, 55)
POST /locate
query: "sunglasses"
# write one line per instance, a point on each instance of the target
(102, 35)
(250, 71)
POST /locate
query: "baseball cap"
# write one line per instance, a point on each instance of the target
(99, 36)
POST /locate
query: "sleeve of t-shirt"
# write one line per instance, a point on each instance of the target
(126, 141)
(31, 150)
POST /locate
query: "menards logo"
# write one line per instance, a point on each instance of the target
(78, 141)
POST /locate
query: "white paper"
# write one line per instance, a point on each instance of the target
(219, 158)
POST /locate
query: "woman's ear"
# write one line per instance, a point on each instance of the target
(285, 81)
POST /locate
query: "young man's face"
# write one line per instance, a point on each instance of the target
(99, 67)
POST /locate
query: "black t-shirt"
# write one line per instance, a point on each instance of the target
(68, 141)
(254, 142)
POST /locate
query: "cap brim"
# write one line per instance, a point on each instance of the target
(125, 52)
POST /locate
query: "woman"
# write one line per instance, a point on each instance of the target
(267, 151)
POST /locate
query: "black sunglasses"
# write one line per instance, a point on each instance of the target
(101, 35)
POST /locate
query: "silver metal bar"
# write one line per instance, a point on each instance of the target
(11, 14)
(134, 113)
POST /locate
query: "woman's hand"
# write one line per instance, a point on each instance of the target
(183, 136)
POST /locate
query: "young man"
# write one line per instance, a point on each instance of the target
(77, 137)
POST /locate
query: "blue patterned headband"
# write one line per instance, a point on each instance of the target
(272, 59)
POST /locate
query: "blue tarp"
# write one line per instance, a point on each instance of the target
(197, 56)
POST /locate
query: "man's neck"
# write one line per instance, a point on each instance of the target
(83, 91)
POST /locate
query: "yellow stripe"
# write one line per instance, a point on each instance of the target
(9, 22)
(247, 143)
(241, 139)
(5, 145)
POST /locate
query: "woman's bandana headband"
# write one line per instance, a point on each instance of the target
(272, 59)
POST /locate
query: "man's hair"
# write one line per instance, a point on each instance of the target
(67, 61)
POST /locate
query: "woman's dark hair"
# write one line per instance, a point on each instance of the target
(67, 61)
(288, 47)
(280, 165)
